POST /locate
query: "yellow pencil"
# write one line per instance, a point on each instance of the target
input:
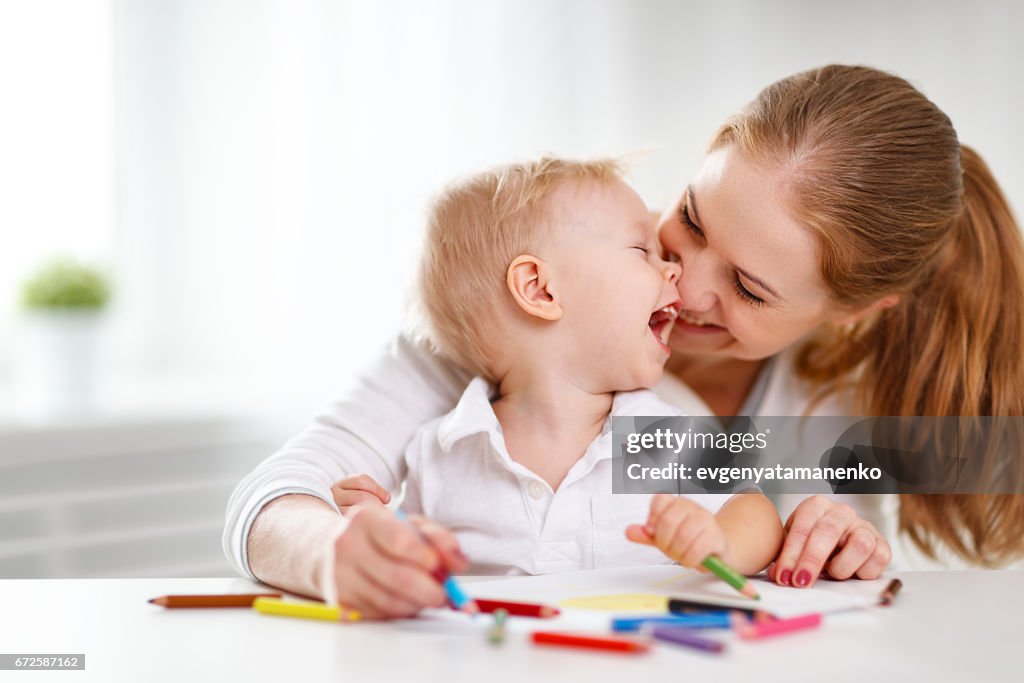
(305, 610)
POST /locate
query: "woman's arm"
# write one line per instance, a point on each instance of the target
(363, 433)
(368, 560)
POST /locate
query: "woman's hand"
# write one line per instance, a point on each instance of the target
(380, 566)
(822, 534)
(681, 529)
(359, 489)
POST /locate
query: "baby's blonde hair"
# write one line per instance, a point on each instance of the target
(476, 228)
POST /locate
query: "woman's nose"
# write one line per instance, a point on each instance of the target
(694, 289)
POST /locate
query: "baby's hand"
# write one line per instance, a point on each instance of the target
(359, 489)
(681, 529)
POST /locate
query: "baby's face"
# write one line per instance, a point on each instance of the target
(618, 296)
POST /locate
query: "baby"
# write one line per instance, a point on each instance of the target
(545, 280)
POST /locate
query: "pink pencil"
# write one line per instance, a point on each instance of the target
(766, 629)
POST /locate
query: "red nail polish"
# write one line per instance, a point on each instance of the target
(439, 574)
(803, 578)
(786, 577)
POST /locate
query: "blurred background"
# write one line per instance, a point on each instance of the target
(248, 180)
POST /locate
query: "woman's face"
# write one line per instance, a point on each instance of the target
(750, 285)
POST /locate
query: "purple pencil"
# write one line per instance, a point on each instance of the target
(684, 636)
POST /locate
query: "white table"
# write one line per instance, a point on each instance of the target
(944, 626)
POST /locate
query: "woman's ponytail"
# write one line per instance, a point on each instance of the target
(965, 327)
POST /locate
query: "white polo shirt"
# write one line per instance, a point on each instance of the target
(507, 519)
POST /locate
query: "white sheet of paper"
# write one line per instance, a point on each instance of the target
(671, 580)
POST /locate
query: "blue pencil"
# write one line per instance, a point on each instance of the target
(707, 620)
(457, 597)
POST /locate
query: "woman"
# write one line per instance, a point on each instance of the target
(841, 253)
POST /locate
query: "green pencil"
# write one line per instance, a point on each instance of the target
(714, 564)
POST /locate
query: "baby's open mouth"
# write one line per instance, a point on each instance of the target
(661, 322)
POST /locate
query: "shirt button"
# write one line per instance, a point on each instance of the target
(536, 490)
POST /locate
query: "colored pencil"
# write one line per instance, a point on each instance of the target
(457, 598)
(589, 641)
(889, 594)
(686, 638)
(714, 564)
(228, 600)
(764, 629)
(518, 609)
(689, 606)
(496, 636)
(305, 610)
(717, 620)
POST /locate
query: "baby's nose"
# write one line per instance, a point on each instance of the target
(671, 271)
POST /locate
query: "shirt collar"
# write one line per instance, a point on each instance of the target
(473, 414)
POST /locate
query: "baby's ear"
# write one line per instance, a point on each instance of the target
(529, 281)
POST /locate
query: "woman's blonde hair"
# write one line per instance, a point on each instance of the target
(876, 171)
(476, 228)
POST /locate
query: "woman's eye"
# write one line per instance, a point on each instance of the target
(684, 218)
(746, 294)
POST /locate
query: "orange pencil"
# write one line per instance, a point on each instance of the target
(229, 600)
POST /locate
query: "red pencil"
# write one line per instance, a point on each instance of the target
(230, 600)
(519, 609)
(592, 642)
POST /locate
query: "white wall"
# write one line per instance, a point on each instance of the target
(275, 156)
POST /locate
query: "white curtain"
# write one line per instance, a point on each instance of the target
(274, 157)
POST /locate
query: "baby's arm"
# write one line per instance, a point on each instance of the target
(746, 532)
(753, 531)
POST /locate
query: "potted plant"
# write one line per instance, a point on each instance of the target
(62, 307)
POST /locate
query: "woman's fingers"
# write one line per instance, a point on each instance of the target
(348, 585)
(856, 549)
(822, 540)
(444, 542)
(398, 541)
(382, 567)
(878, 561)
(799, 528)
(404, 589)
(374, 601)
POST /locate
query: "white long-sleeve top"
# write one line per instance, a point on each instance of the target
(367, 432)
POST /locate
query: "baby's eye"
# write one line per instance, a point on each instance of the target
(643, 249)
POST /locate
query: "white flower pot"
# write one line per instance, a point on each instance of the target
(55, 356)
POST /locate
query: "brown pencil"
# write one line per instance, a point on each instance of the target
(889, 594)
(229, 600)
